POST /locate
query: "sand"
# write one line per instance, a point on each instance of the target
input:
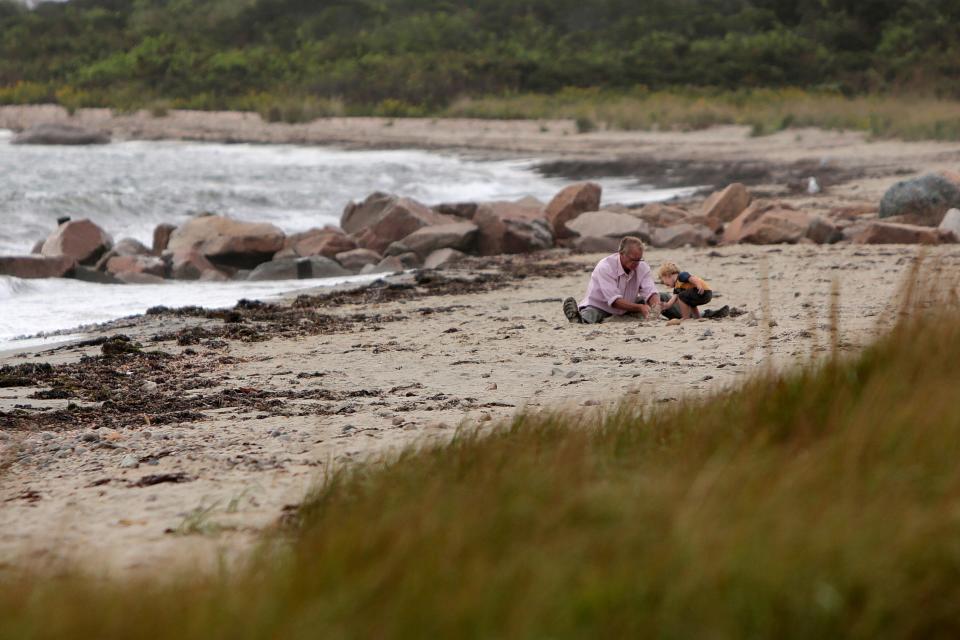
(431, 364)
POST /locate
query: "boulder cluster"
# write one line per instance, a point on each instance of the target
(387, 233)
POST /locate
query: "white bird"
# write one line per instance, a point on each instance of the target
(812, 186)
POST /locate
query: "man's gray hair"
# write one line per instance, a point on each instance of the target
(630, 241)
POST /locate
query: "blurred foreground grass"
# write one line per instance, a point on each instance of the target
(819, 503)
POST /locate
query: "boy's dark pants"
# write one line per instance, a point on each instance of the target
(690, 297)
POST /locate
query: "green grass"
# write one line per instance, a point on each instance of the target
(764, 110)
(819, 503)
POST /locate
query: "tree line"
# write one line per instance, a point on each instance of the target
(426, 53)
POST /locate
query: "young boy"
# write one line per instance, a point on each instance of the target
(689, 291)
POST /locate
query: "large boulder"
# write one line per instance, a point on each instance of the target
(192, 265)
(508, 227)
(125, 248)
(727, 204)
(161, 237)
(81, 240)
(442, 257)
(37, 266)
(683, 235)
(326, 242)
(461, 236)
(298, 269)
(358, 258)
(896, 233)
(60, 134)
(226, 242)
(465, 210)
(609, 224)
(398, 219)
(922, 200)
(657, 214)
(358, 216)
(569, 203)
(596, 244)
(151, 265)
(734, 230)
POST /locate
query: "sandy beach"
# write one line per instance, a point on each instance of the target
(256, 407)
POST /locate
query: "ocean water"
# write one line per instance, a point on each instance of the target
(130, 187)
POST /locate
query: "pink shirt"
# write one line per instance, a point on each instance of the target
(609, 281)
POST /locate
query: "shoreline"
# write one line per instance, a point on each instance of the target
(859, 169)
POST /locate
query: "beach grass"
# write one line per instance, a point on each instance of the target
(820, 502)
(765, 111)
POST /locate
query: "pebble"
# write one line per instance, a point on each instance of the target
(674, 323)
(591, 403)
(397, 421)
(149, 386)
(485, 417)
(276, 433)
(484, 375)
(90, 436)
(492, 386)
(130, 461)
(46, 435)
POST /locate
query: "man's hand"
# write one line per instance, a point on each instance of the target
(645, 311)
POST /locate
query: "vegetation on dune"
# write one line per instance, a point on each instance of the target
(818, 503)
(294, 60)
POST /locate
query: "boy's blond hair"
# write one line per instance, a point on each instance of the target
(667, 269)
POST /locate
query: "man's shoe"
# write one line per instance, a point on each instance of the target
(571, 310)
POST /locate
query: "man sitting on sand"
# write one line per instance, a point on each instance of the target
(621, 283)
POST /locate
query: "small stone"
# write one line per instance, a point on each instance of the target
(484, 417)
(492, 386)
(484, 375)
(90, 436)
(130, 461)
(674, 323)
(571, 374)
(591, 403)
(46, 435)
(397, 421)
(149, 387)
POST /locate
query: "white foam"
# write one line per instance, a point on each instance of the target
(31, 307)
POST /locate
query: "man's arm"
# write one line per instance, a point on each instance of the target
(631, 307)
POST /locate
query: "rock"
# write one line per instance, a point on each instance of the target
(399, 219)
(682, 235)
(951, 222)
(465, 210)
(657, 214)
(358, 216)
(37, 247)
(357, 259)
(609, 224)
(134, 277)
(226, 242)
(442, 257)
(593, 244)
(327, 242)
(922, 200)
(89, 274)
(37, 266)
(215, 275)
(733, 231)
(190, 265)
(60, 134)
(727, 204)
(390, 264)
(161, 237)
(151, 265)
(461, 236)
(895, 233)
(81, 240)
(508, 227)
(298, 269)
(780, 226)
(130, 461)
(569, 203)
(149, 386)
(823, 230)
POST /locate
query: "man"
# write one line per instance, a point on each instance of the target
(620, 284)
